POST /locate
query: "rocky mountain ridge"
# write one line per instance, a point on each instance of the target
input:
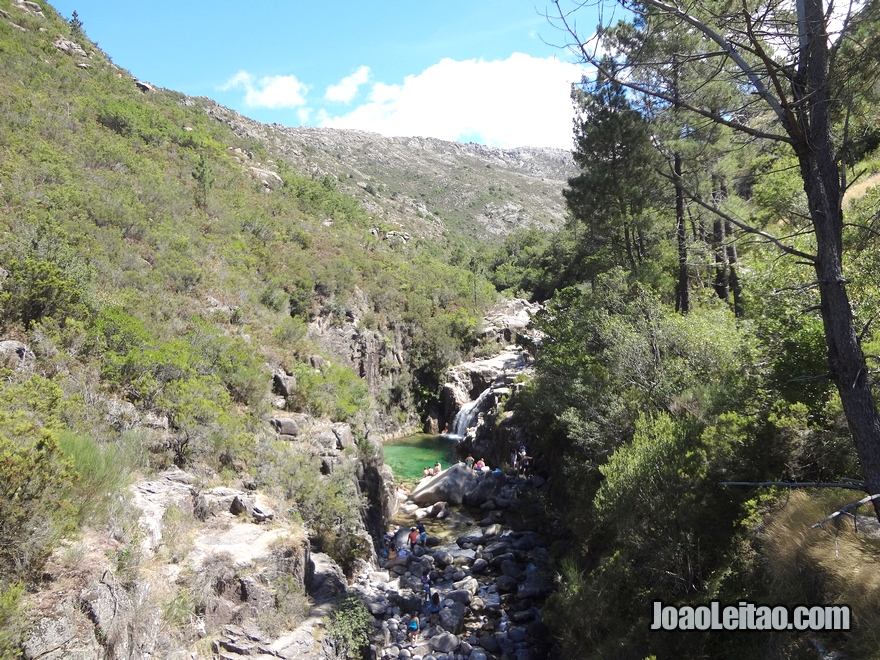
(427, 186)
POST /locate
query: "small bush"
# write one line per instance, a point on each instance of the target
(38, 288)
(335, 392)
(291, 607)
(34, 477)
(350, 625)
(290, 331)
(11, 620)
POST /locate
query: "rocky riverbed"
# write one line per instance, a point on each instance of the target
(492, 581)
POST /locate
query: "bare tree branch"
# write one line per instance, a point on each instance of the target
(846, 509)
(847, 485)
(742, 225)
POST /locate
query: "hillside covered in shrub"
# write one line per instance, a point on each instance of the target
(157, 270)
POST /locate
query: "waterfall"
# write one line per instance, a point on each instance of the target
(467, 416)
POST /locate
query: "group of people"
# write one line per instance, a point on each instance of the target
(432, 471)
(432, 609)
(519, 461)
(417, 536)
(477, 466)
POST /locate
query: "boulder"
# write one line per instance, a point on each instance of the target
(285, 426)
(283, 384)
(325, 580)
(468, 583)
(212, 501)
(16, 355)
(524, 616)
(452, 618)
(526, 541)
(262, 513)
(489, 643)
(471, 540)
(460, 596)
(255, 594)
(121, 415)
(440, 510)
(325, 439)
(344, 437)
(449, 486)
(269, 178)
(488, 487)
(505, 584)
(442, 558)
(511, 569)
(69, 47)
(66, 634)
(445, 642)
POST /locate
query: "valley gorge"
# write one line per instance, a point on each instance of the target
(229, 546)
(217, 336)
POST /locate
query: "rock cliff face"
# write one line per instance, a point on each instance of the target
(210, 545)
(475, 390)
(379, 358)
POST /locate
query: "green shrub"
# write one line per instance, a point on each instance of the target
(329, 505)
(290, 331)
(350, 625)
(291, 607)
(38, 288)
(334, 392)
(11, 620)
(119, 332)
(34, 479)
(179, 610)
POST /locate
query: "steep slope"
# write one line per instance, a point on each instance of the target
(180, 286)
(428, 187)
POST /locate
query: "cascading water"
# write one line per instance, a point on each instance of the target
(467, 416)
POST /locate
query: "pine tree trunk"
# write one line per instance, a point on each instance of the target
(682, 293)
(818, 164)
(722, 267)
(732, 260)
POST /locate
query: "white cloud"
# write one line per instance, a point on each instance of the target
(520, 101)
(346, 89)
(270, 91)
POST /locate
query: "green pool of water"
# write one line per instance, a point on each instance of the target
(409, 456)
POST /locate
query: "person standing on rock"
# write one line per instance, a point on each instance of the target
(413, 539)
(412, 630)
(426, 585)
(435, 608)
(423, 533)
(469, 461)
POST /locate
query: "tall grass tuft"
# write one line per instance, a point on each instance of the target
(101, 476)
(831, 566)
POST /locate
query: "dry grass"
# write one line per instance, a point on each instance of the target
(834, 565)
(860, 189)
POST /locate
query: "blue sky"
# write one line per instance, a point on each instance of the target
(471, 70)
